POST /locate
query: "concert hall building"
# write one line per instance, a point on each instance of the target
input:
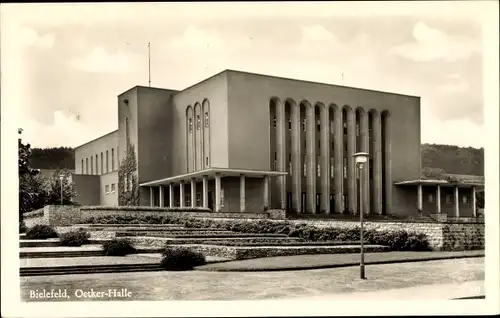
(239, 142)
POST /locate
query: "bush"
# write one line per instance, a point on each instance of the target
(118, 247)
(74, 238)
(22, 227)
(41, 232)
(181, 258)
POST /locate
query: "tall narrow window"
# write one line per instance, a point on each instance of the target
(127, 132)
(112, 159)
(82, 166)
(206, 161)
(91, 164)
(198, 122)
(206, 120)
(96, 164)
(102, 163)
(107, 161)
(86, 165)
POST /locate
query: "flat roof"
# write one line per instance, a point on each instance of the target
(211, 172)
(105, 135)
(436, 182)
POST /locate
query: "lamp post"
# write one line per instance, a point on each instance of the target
(61, 178)
(361, 158)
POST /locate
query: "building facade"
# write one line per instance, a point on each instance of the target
(247, 142)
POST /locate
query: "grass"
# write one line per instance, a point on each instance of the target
(331, 260)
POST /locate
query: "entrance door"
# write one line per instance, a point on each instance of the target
(288, 201)
(318, 202)
(303, 204)
(332, 203)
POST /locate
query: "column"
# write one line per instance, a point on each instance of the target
(456, 202)
(171, 195)
(266, 192)
(205, 191)
(182, 196)
(280, 151)
(217, 192)
(338, 148)
(151, 197)
(311, 159)
(387, 165)
(377, 164)
(325, 160)
(438, 199)
(242, 194)
(365, 146)
(162, 202)
(193, 193)
(351, 166)
(296, 166)
(473, 195)
(419, 198)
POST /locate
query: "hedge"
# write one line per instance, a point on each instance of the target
(397, 240)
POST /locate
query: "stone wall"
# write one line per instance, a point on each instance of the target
(35, 217)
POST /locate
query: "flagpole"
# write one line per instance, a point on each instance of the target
(149, 63)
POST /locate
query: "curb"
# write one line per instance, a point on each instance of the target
(325, 266)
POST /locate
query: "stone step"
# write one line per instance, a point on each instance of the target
(146, 229)
(127, 225)
(82, 251)
(169, 233)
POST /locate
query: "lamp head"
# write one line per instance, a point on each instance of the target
(361, 157)
(61, 177)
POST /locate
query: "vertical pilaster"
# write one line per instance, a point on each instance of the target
(457, 202)
(162, 199)
(171, 195)
(387, 165)
(193, 193)
(338, 149)
(242, 194)
(377, 164)
(438, 199)
(311, 160)
(280, 150)
(365, 146)
(351, 166)
(205, 191)
(217, 192)
(296, 165)
(182, 195)
(325, 160)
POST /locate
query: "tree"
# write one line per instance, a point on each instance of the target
(54, 188)
(128, 187)
(433, 174)
(32, 190)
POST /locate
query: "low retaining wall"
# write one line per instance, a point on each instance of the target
(36, 217)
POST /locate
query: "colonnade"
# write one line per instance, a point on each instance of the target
(315, 144)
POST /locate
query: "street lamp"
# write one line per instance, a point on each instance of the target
(361, 158)
(61, 178)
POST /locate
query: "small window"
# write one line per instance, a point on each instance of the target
(274, 122)
(113, 187)
(198, 122)
(206, 161)
(465, 199)
(190, 125)
(431, 198)
(289, 124)
(206, 120)
(107, 189)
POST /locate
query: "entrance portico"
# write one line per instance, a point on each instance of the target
(214, 188)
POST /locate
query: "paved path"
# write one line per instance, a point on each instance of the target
(203, 285)
(422, 292)
(331, 260)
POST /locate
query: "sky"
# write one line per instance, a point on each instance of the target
(65, 64)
